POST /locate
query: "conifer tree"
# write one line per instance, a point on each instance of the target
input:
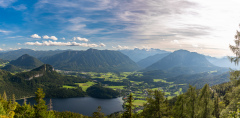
(216, 111)
(50, 107)
(205, 103)
(156, 106)
(129, 107)
(191, 99)
(98, 114)
(24, 111)
(4, 96)
(41, 107)
(179, 108)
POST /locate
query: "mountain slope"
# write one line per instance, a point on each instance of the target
(11, 68)
(42, 77)
(139, 54)
(91, 60)
(200, 79)
(2, 61)
(151, 59)
(181, 58)
(26, 62)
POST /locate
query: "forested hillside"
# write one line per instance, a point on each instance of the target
(92, 60)
(26, 62)
(26, 83)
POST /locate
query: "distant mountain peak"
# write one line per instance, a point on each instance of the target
(181, 51)
(92, 60)
(181, 58)
(25, 56)
(26, 62)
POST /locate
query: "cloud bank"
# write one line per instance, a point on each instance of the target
(80, 39)
(51, 43)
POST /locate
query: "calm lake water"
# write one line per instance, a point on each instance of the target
(83, 105)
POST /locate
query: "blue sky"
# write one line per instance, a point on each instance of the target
(206, 27)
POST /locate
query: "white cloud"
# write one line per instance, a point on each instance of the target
(36, 36)
(102, 45)
(51, 37)
(46, 37)
(51, 43)
(54, 38)
(120, 47)
(63, 38)
(80, 39)
(1, 49)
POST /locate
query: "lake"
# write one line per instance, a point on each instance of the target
(83, 105)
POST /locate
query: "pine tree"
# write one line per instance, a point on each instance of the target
(4, 96)
(41, 107)
(50, 107)
(129, 107)
(24, 111)
(179, 108)
(216, 111)
(98, 114)
(205, 103)
(156, 106)
(191, 99)
(24, 100)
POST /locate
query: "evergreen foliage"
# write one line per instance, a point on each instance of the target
(98, 91)
(98, 114)
(129, 107)
(156, 106)
(11, 68)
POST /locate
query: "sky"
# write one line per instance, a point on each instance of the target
(203, 26)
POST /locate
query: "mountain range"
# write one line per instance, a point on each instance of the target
(107, 60)
(183, 60)
(91, 60)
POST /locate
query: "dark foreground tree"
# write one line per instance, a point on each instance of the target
(156, 106)
(129, 107)
(41, 107)
(205, 105)
(98, 114)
